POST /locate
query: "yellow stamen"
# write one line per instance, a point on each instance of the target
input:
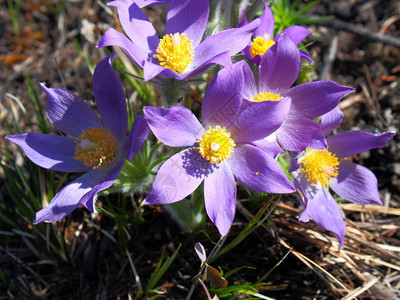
(260, 45)
(319, 166)
(96, 147)
(267, 96)
(216, 144)
(175, 52)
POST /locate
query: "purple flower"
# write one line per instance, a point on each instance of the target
(263, 37)
(317, 170)
(218, 151)
(97, 147)
(180, 53)
(278, 71)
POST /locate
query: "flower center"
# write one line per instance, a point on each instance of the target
(216, 144)
(96, 147)
(267, 96)
(319, 166)
(175, 52)
(260, 45)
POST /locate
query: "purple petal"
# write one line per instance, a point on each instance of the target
(259, 171)
(220, 197)
(356, 183)
(351, 143)
(250, 86)
(305, 55)
(146, 3)
(231, 40)
(313, 99)
(69, 113)
(324, 211)
(115, 38)
(331, 120)
(279, 66)
(178, 177)
(151, 70)
(189, 17)
(259, 119)
(80, 191)
(268, 145)
(175, 127)
(296, 33)
(298, 133)
(137, 137)
(223, 97)
(50, 151)
(110, 98)
(136, 25)
(267, 23)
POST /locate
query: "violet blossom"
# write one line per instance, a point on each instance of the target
(96, 147)
(263, 37)
(317, 170)
(180, 53)
(278, 70)
(218, 151)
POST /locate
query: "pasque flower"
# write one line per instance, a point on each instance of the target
(180, 53)
(263, 37)
(96, 147)
(219, 150)
(278, 70)
(317, 170)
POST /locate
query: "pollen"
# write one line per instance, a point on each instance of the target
(267, 96)
(96, 147)
(260, 45)
(175, 52)
(216, 144)
(319, 166)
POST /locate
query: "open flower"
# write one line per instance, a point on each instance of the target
(317, 170)
(278, 71)
(180, 53)
(97, 147)
(219, 150)
(263, 37)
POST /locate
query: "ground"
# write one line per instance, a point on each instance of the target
(56, 45)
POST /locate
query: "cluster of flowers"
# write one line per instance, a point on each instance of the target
(251, 113)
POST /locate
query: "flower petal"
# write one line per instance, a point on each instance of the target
(356, 183)
(279, 66)
(146, 3)
(324, 211)
(257, 120)
(351, 143)
(80, 191)
(231, 40)
(69, 113)
(136, 25)
(115, 38)
(268, 145)
(110, 98)
(313, 99)
(223, 97)
(259, 171)
(296, 33)
(250, 86)
(189, 17)
(178, 177)
(298, 133)
(175, 127)
(267, 23)
(220, 197)
(137, 137)
(331, 120)
(49, 151)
